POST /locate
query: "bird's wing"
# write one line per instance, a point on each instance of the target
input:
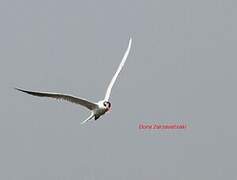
(76, 100)
(117, 72)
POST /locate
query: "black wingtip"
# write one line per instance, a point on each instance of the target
(18, 89)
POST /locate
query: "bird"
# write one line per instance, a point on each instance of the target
(96, 109)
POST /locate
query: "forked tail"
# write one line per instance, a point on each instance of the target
(90, 117)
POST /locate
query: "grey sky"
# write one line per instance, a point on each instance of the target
(181, 69)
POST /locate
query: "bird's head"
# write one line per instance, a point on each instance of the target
(107, 105)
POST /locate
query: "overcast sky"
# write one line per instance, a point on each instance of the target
(181, 69)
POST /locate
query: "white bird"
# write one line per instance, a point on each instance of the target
(97, 109)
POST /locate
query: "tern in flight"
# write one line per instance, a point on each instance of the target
(97, 109)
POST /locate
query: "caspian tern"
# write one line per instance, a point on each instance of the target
(97, 109)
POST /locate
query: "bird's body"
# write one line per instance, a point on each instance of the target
(101, 109)
(97, 109)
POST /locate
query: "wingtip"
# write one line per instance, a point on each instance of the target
(130, 42)
(18, 89)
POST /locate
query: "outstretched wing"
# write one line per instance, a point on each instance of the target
(117, 72)
(76, 100)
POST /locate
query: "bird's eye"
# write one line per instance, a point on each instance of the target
(105, 104)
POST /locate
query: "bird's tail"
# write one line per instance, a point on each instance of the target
(89, 118)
